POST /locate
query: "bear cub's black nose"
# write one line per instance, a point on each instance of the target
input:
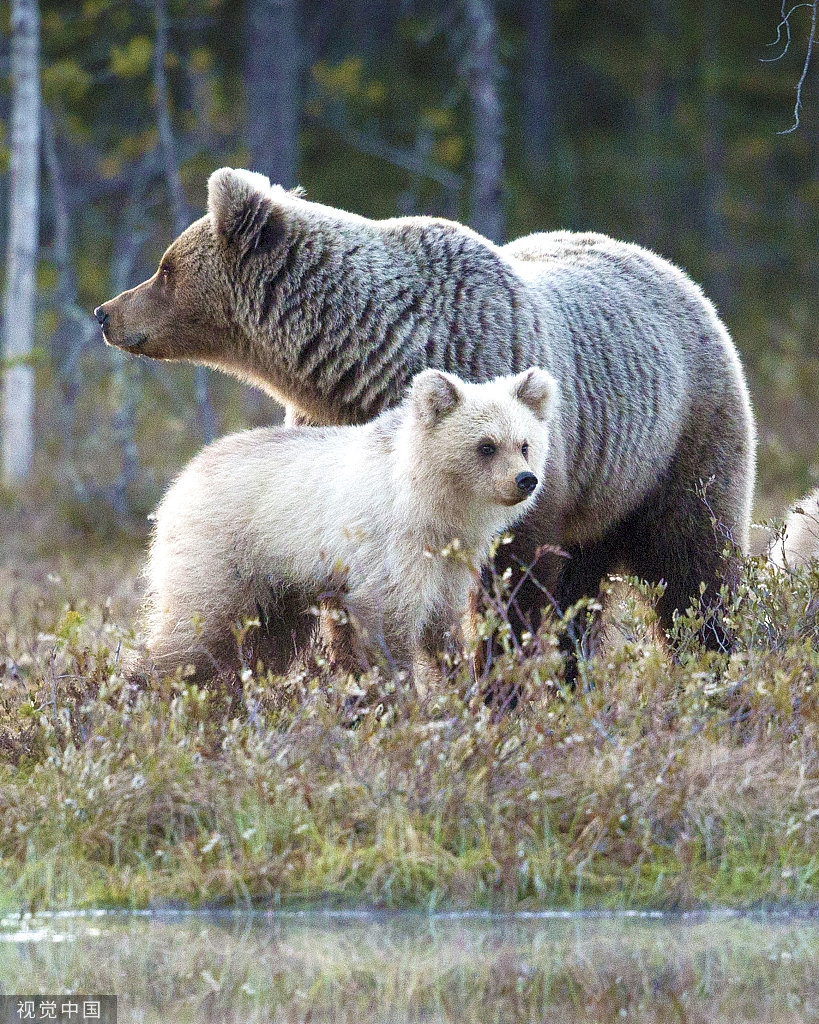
(101, 315)
(526, 482)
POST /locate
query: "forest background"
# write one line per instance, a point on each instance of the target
(660, 123)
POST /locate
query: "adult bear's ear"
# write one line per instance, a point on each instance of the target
(537, 389)
(243, 210)
(434, 395)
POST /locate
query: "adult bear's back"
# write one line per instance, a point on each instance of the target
(644, 362)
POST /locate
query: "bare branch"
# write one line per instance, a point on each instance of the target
(785, 25)
(407, 159)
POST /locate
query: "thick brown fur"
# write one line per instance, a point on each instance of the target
(653, 457)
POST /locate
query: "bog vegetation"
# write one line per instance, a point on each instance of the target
(655, 783)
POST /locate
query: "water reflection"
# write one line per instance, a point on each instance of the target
(361, 969)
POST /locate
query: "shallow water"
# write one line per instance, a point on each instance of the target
(366, 968)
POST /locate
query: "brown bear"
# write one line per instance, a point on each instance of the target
(652, 461)
(389, 520)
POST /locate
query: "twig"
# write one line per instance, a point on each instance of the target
(53, 684)
(785, 24)
(407, 159)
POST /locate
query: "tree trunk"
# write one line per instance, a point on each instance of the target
(658, 212)
(538, 83)
(21, 253)
(483, 74)
(179, 206)
(649, 131)
(127, 385)
(67, 340)
(374, 26)
(271, 89)
(714, 192)
(128, 242)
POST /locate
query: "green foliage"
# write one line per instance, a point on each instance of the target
(64, 79)
(345, 81)
(133, 59)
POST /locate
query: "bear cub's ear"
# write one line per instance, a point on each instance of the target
(536, 389)
(434, 395)
(243, 211)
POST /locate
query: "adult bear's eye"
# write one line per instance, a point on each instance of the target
(486, 448)
(524, 449)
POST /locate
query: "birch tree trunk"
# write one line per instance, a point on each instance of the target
(21, 253)
(715, 186)
(179, 207)
(134, 230)
(271, 89)
(483, 74)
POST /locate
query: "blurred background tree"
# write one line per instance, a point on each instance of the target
(652, 122)
(21, 243)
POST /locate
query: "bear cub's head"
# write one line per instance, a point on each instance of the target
(489, 441)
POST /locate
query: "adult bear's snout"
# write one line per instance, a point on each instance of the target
(101, 315)
(526, 482)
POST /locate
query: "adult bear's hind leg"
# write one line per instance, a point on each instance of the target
(287, 626)
(694, 532)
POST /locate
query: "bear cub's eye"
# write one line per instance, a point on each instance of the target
(487, 448)
(524, 449)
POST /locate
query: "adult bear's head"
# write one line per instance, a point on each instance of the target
(204, 297)
(329, 312)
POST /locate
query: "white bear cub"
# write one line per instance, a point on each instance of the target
(800, 541)
(267, 524)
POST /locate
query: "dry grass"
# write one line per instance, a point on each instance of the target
(656, 784)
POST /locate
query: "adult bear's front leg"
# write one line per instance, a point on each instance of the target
(521, 582)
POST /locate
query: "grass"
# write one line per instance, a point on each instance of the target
(657, 784)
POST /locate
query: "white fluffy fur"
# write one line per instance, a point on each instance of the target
(276, 520)
(800, 541)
